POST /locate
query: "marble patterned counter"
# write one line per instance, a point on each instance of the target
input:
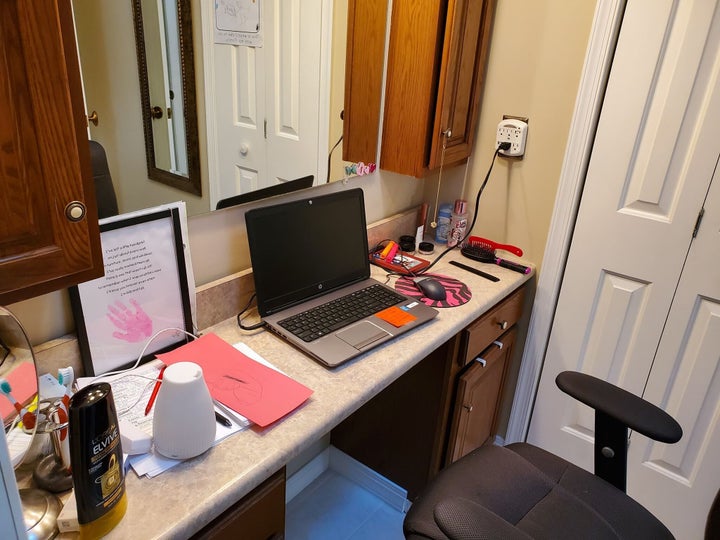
(181, 501)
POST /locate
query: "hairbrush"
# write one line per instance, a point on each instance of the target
(482, 254)
(491, 245)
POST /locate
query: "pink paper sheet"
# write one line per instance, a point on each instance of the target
(257, 392)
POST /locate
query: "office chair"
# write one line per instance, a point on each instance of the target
(521, 491)
(104, 191)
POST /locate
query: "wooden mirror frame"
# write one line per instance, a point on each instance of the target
(191, 183)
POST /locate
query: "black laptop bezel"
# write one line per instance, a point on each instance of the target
(258, 244)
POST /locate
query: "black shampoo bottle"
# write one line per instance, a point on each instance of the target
(96, 459)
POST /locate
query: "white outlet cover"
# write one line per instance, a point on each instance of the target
(515, 132)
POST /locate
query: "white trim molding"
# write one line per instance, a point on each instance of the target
(598, 59)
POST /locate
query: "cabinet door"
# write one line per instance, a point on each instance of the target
(462, 74)
(44, 161)
(400, 433)
(260, 515)
(435, 68)
(366, 24)
(478, 397)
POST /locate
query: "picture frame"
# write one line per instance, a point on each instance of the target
(142, 304)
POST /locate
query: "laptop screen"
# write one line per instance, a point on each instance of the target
(306, 248)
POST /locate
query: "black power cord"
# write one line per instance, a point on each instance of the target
(327, 180)
(239, 320)
(501, 146)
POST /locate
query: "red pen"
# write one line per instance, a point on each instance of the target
(155, 389)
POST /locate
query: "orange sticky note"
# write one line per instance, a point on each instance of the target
(396, 316)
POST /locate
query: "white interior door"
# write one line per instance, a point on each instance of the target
(655, 151)
(293, 90)
(266, 101)
(679, 481)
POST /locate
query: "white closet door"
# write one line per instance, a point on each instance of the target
(679, 481)
(266, 101)
(293, 90)
(654, 155)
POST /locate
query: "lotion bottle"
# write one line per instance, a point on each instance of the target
(96, 458)
(458, 223)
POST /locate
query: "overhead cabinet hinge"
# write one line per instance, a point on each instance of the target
(697, 222)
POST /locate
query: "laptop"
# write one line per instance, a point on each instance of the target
(312, 254)
(270, 191)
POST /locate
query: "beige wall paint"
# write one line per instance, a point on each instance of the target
(536, 58)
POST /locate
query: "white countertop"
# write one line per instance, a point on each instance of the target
(181, 501)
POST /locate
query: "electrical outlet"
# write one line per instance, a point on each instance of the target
(514, 131)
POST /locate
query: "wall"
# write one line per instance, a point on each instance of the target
(536, 57)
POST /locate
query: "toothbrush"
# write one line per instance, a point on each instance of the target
(28, 418)
(66, 376)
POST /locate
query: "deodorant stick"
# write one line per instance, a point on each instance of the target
(96, 458)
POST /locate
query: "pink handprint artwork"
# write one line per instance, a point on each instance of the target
(134, 326)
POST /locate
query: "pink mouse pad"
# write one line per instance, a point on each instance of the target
(457, 292)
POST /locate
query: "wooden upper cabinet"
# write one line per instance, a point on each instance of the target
(365, 53)
(436, 67)
(44, 155)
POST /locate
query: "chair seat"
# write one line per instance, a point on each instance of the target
(521, 491)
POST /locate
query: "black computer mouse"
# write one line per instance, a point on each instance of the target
(431, 288)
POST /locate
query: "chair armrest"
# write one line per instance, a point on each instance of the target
(629, 409)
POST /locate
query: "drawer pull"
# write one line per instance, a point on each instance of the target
(502, 324)
(482, 361)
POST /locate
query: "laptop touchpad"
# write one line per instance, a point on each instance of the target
(362, 334)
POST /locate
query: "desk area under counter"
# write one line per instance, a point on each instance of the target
(184, 500)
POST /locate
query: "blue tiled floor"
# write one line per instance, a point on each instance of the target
(335, 508)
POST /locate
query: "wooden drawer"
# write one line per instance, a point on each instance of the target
(478, 397)
(489, 327)
(260, 515)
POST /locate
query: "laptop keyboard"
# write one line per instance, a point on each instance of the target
(326, 318)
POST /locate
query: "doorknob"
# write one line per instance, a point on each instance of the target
(93, 118)
(156, 112)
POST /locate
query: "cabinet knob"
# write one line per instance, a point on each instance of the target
(467, 407)
(244, 149)
(75, 211)
(502, 324)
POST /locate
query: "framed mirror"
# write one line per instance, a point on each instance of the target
(163, 36)
(106, 34)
